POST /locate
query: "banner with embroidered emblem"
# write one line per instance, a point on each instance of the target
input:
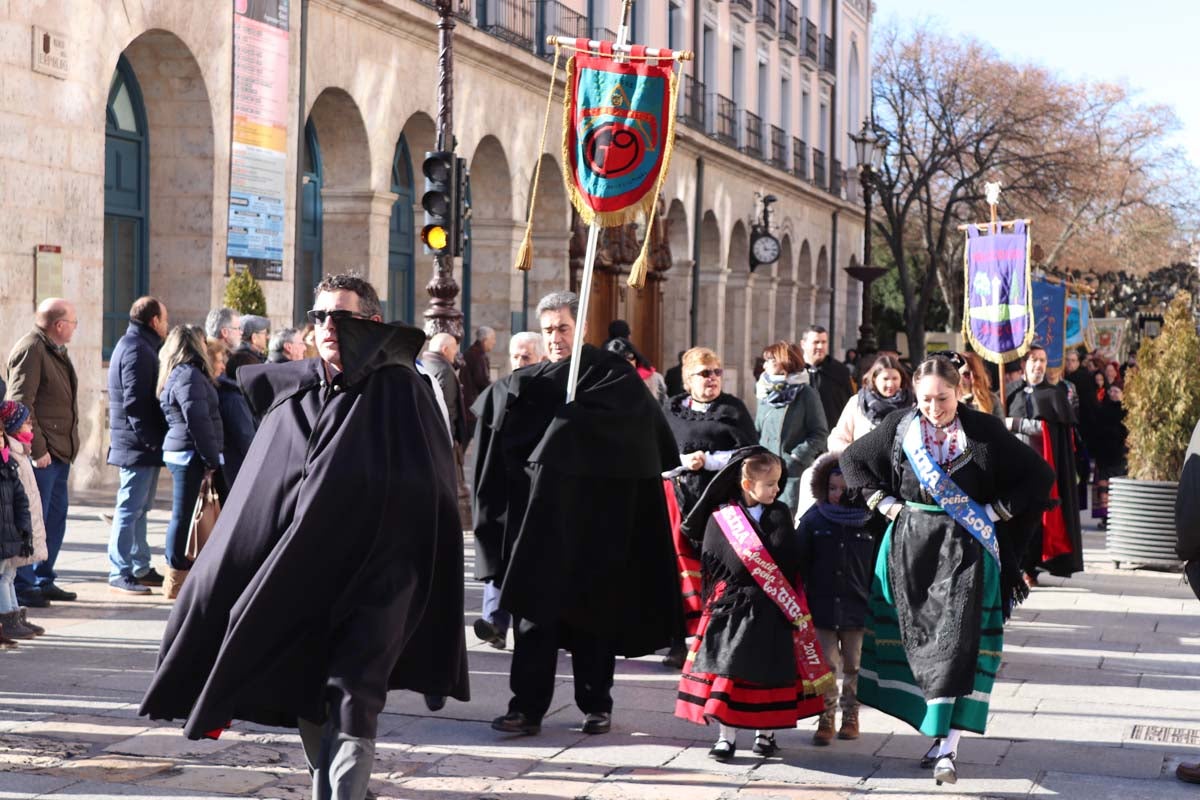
(998, 317)
(1050, 315)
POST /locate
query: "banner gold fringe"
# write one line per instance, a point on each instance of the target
(641, 266)
(524, 261)
(984, 352)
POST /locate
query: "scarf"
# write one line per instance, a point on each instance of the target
(846, 516)
(875, 406)
(779, 390)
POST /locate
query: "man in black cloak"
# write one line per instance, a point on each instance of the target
(571, 520)
(826, 374)
(335, 571)
(1041, 415)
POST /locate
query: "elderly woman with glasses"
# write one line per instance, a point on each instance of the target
(708, 426)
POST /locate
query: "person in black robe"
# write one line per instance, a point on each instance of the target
(826, 374)
(571, 520)
(335, 571)
(1040, 414)
(708, 426)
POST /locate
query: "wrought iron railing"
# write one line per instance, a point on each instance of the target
(510, 20)
(778, 153)
(693, 105)
(752, 139)
(746, 4)
(462, 8)
(768, 13)
(556, 19)
(799, 159)
(828, 55)
(808, 40)
(789, 22)
(723, 124)
(818, 168)
(836, 174)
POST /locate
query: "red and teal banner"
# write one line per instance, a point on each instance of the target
(618, 132)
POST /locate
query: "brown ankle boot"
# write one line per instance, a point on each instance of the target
(38, 630)
(849, 729)
(13, 627)
(825, 725)
(173, 582)
(5, 642)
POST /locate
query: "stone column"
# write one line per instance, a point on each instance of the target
(354, 233)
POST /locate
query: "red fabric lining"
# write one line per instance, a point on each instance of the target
(1055, 541)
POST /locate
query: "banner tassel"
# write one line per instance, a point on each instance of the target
(641, 266)
(524, 261)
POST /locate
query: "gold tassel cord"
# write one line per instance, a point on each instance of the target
(524, 261)
(641, 266)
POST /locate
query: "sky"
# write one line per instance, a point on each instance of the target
(1151, 45)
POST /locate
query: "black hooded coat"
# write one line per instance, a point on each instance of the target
(335, 571)
(570, 515)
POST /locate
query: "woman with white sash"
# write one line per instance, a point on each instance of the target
(963, 496)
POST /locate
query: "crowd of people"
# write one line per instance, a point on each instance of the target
(768, 553)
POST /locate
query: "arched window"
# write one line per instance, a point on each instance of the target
(308, 271)
(401, 241)
(854, 110)
(126, 192)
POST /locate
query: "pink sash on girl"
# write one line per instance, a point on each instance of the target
(739, 532)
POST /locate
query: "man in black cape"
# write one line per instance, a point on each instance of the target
(1040, 414)
(335, 570)
(571, 520)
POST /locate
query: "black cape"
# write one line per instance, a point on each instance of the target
(725, 425)
(335, 571)
(570, 515)
(831, 379)
(1049, 402)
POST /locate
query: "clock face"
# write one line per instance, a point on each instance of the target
(765, 249)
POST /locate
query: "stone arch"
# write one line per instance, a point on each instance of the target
(551, 233)
(710, 325)
(347, 201)
(494, 236)
(824, 291)
(785, 293)
(420, 134)
(805, 290)
(677, 286)
(736, 342)
(185, 242)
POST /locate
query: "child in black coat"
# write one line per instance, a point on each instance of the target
(16, 526)
(836, 551)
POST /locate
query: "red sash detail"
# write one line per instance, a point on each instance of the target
(739, 532)
(1055, 541)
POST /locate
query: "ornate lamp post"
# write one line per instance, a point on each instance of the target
(870, 148)
(441, 316)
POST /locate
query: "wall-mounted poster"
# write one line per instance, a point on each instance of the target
(258, 162)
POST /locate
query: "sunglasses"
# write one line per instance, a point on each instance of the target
(709, 373)
(319, 316)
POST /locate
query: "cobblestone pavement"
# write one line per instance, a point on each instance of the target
(1098, 698)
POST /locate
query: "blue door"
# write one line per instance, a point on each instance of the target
(126, 215)
(308, 270)
(401, 239)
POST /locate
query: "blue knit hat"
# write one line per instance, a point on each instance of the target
(13, 415)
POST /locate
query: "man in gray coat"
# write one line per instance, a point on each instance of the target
(42, 377)
(438, 360)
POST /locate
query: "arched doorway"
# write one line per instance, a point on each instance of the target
(493, 231)
(785, 294)
(401, 239)
(736, 345)
(677, 291)
(308, 271)
(126, 196)
(824, 300)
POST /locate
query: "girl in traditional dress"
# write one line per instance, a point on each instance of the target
(963, 495)
(755, 662)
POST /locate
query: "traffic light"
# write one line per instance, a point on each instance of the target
(440, 201)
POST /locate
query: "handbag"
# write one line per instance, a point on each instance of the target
(204, 517)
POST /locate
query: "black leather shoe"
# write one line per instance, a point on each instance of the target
(723, 750)
(765, 745)
(931, 755)
(600, 722)
(489, 633)
(516, 722)
(151, 578)
(435, 702)
(51, 592)
(32, 598)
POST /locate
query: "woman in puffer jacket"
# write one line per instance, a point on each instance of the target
(187, 392)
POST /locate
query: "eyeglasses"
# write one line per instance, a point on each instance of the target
(319, 316)
(709, 373)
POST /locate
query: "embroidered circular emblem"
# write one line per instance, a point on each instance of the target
(612, 150)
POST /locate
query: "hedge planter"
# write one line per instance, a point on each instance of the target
(1141, 522)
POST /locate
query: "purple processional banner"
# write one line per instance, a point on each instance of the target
(1050, 313)
(998, 318)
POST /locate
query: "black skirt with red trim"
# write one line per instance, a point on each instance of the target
(704, 697)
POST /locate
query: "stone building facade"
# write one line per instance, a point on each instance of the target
(123, 161)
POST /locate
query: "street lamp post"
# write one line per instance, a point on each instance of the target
(441, 316)
(870, 148)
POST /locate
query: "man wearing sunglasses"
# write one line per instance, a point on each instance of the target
(335, 571)
(571, 521)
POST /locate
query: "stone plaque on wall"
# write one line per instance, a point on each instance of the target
(47, 272)
(50, 53)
